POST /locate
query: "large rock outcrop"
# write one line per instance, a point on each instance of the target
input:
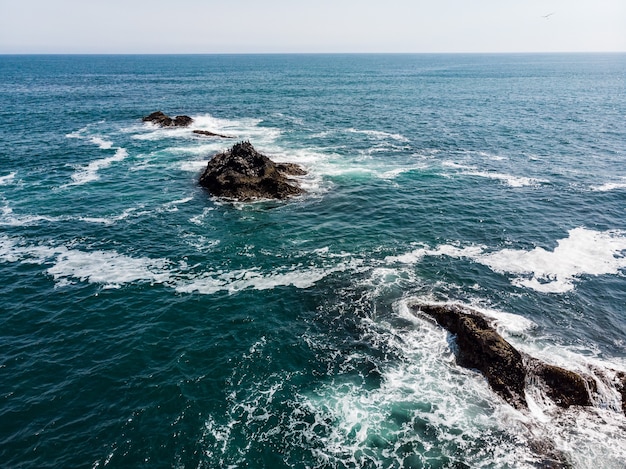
(507, 370)
(163, 120)
(244, 174)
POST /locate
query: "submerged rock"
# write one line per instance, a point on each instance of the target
(164, 120)
(507, 370)
(244, 174)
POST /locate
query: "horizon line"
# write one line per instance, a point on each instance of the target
(319, 53)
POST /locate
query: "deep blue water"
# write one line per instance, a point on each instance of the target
(144, 323)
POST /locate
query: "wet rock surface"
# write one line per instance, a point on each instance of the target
(507, 370)
(242, 173)
(207, 133)
(163, 120)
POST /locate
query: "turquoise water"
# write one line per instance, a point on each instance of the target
(144, 323)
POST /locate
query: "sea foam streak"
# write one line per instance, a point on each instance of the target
(89, 173)
(583, 252)
(104, 267)
(610, 186)
(113, 270)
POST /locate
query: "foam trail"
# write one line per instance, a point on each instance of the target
(380, 135)
(234, 281)
(102, 143)
(512, 181)
(610, 186)
(108, 268)
(89, 173)
(104, 267)
(583, 252)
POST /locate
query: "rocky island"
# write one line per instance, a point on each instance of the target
(243, 174)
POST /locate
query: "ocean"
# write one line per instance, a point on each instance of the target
(145, 323)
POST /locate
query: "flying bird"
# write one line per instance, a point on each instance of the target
(547, 16)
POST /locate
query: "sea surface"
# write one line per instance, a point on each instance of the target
(144, 323)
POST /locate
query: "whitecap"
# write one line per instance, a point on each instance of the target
(9, 218)
(511, 180)
(234, 281)
(101, 142)
(108, 268)
(110, 220)
(583, 252)
(173, 205)
(610, 186)
(89, 173)
(8, 179)
(378, 134)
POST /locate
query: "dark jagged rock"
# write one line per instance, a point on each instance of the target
(182, 121)
(482, 348)
(210, 134)
(163, 120)
(506, 369)
(244, 174)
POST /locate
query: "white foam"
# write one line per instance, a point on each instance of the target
(199, 219)
(379, 134)
(104, 267)
(89, 173)
(8, 179)
(509, 179)
(101, 142)
(110, 220)
(107, 267)
(423, 391)
(610, 186)
(234, 281)
(394, 173)
(173, 205)
(583, 252)
(194, 166)
(418, 254)
(9, 218)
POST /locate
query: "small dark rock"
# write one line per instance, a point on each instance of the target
(210, 134)
(182, 121)
(163, 120)
(244, 174)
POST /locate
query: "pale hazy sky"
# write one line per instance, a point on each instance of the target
(242, 26)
